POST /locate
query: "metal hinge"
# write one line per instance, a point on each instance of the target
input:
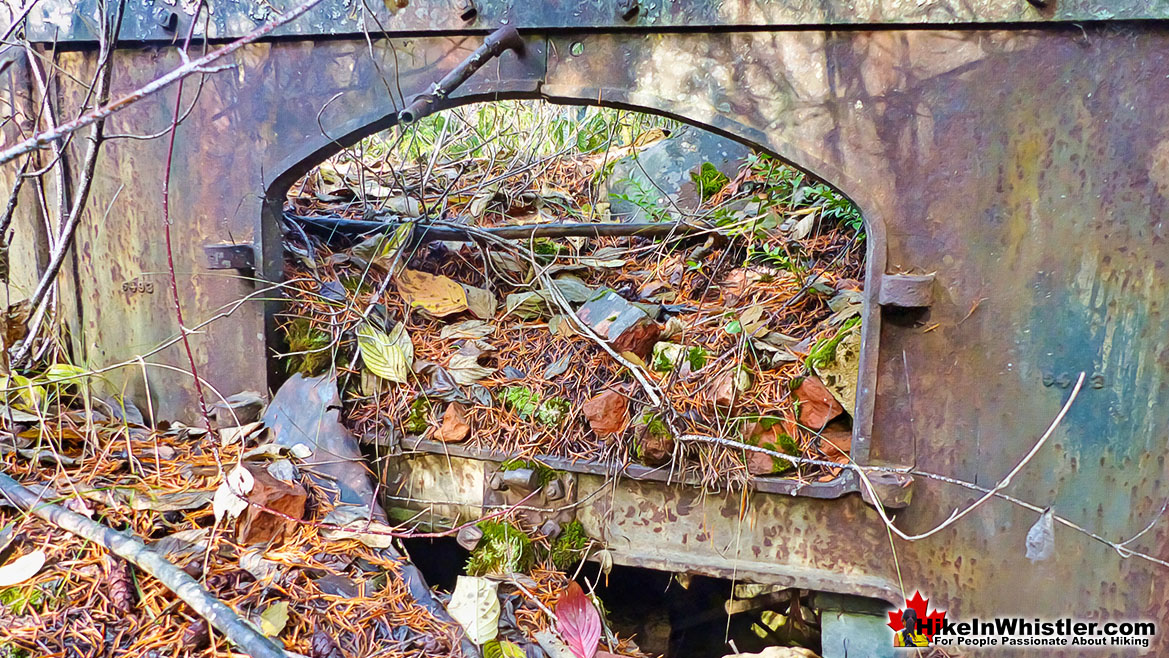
(907, 290)
(230, 256)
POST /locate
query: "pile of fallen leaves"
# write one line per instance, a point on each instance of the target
(61, 595)
(745, 330)
(252, 510)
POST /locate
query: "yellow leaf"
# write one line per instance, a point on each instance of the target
(63, 371)
(437, 295)
(388, 357)
(475, 605)
(274, 619)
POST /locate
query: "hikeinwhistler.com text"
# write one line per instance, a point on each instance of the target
(1005, 632)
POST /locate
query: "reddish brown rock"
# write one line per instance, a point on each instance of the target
(656, 449)
(772, 438)
(455, 427)
(817, 404)
(259, 526)
(624, 326)
(836, 442)
(607, 413)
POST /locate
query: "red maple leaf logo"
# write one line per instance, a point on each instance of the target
(930, 623)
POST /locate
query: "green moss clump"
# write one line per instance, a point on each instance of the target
(568, 548)
(308, 348)
(545, 247)
(504, 548)
(655, 426)
(543, 472)
(22, 600)
(419, 417)
(824, 350)
(522, 400)
(553, 411)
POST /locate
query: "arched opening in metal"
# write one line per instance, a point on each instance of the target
(859, 316)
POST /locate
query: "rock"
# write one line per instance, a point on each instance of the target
(454, 424)
(661, 174)
(607, 413)
(624, 326)
(259, 526)
(239, 409)
(836, 441)
(840, 374)
(729, 387)
(817, 404)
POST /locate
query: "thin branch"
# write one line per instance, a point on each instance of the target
(1003, 484)
(135, 551)
(201, 65)
(38, 300)
(166, 222)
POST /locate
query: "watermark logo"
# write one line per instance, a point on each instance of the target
(915, 625)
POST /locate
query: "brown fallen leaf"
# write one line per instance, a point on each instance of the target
(258, 526)
(607, 413)
(454, 427)
(817, 404)
(242, 408)
(836, 442)
(728, 388)
(15, 321)
(196, 637)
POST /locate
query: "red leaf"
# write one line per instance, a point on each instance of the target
(578, 621)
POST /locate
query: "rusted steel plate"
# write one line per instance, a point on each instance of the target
(158, 20)
(262, 120)
(1025, 168)
(756, 537)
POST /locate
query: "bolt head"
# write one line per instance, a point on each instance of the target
(468, 10)
(166, 19)
(628, 9)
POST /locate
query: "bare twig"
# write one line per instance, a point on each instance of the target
(1003, 484)
(38, 300)
(190, 67)
(133, 550)
(170, 257)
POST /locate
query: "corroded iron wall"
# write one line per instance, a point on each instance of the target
(1028, 168)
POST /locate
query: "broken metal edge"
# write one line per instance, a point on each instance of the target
(846, 483)
(75, 20)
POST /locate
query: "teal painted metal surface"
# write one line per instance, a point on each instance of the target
(1025, 168)
(69, 20)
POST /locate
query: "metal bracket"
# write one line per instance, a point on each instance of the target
(504, 39)
(230, 256)
(907, 290)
